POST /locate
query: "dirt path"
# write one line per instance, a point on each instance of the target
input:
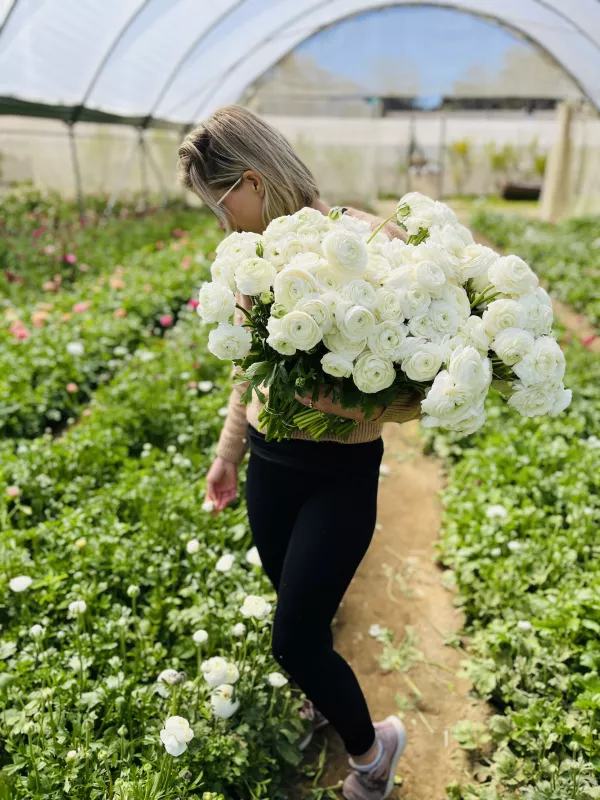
(398, 585)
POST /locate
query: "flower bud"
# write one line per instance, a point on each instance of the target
(266, 297)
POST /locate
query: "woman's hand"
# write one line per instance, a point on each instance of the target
(393, 231)
(222, 483)
(327, 406)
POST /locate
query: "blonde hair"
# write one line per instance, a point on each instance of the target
(233, 140)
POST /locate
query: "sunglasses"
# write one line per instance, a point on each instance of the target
(229, 190)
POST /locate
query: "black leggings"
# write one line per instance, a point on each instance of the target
(312, 508)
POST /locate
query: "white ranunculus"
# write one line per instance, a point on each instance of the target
(401, 277)
(255, 606)
(444, 316)
(378, 269)
(75, 349)
(468, 369)
(229, 342)
(307, 261)
(216, 303)
(411, 345)
(335, 365)
(360, 227)
(239, 629)
(239, 246)
(252, 557)
(511, 275)
(293, 284)
(328, 279)
(544, 364)
(398, 252)
(354, 322)
(301, 330)
(539, 315)
(309, 217)
(277, 679)
(225, 563)
(20, 584)
(222, 702)
(217, 670)
(280, 227)
(175, 735)
(476, 260)
(200, 636)
(71, 755)
(387, 305)
(502, 314)
(255, 275)
(446, 401)
(205, 386)
(372, 373)
(346, 252)
(414, 300)
(36, 631)
(311, 240)
(457, 296)
(543, 296)
(533, 401)
(436, 254)
(360, 293)
(171, 677)
(387, 338)
(207, 506)
(193, 546)
(423, 212)
(281, 344)
(454, 238)
(470, 424)
(429, 276)
(77, 607)
(337, 343)
(318, 310)
(424, 363)
(422, 326)
(496, 511)
(512, 344)
(561, 399)
(473, 333)
(290, 246)
(222, 271)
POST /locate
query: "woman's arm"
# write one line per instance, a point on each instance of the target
(393, 231)
(406, 406)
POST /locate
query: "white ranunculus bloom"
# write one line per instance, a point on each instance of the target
(281, 344)
(311, 239)
(454, 238)
(533, 401)
(346, 252)
(496, 511)
(422, 326)
(444, 316)
(281, 226)
(277, 679)
(469, 370)
(75, 349)
(293, 284)
(457, 296)
(341, 346)
(511, 275)
(318, 310)
(171, 677)
(193, 546)
(387, 338)
(255, 606)
(253, 557)
(200, 636)
(71, 755)
(430, 277)
(328, 279)
(544, 364)
(254, 276)
(472, 332)
(217, 670)
(229, 342)
(501, 314)
(77, 607)
(175, 735)
(414, 300)
(225, 563)
(423, 212)
(539, 316)
(301, 330)
(307, 261)
(436, 254)
(360, 227)
(239, 629)
(561, 399)
(398, 252)
(336, 365)
(205, 386)
(476, 260)
(372, 373)
(447, 401)
(309, 217)
(423, 364)
(20, 584)
(216, 303)
(378, 269)
(512, 344)
(524, 625)
(543, 296)
(207, 506)
(222, 271)
(36, 631)
(239, 245)
(222, 702)
(401, 277)
(387, 305)
(354, 322)
(290, 246)
(360, 293)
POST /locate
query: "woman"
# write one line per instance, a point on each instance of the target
(311, 505)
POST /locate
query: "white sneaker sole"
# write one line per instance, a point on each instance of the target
(401, 730)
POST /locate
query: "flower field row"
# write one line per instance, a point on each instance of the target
(113, 576)
(521, 517)
(566, 256)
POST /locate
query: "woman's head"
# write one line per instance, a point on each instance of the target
(244, 170)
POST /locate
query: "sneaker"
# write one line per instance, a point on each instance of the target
(377, 783)
(318, 720)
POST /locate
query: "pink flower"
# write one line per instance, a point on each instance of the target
(186, 263)
(192, 385)
(147, 287)
(49, 286)
(86, 412)
(117, 283)
(166, 320)
(193, 303)
(84, 267)
(72, 387)
(79, 308)
(120, 313)
(49, 249)
(588, 340)
(13, 491)
(71, 258)
(20, 333)
(159, 245)
(177, 232)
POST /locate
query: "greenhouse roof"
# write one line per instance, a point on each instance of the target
(148, 62)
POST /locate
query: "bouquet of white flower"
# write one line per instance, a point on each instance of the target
(337, 306)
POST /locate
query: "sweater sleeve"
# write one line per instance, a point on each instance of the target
(405, 407)
(234, 434)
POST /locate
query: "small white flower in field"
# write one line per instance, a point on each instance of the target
(75, 349)
(255, 606)
(120, 350)
(147, 446)
(171, 677)
(205, 386)
(193, 546)
(495, 511)
(514, 545)
(71, 755)
(133, 590)
(524, 625)
(375, 630)
(21, 583)
(222, 412)
(216, 671)
(496, 551)
(208, 506)
(145, 355)
(277, 679)
(592, 441)
(225, 563)
(200, 636)
(36, 631)
(77, 607)
(239, 629)
(384, 469)
(252, 557)
(175, 735)
(171, 449)
(81, 542)
(221, 701)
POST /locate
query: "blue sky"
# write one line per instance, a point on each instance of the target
(440, 45)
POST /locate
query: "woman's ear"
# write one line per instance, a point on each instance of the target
(256, 181)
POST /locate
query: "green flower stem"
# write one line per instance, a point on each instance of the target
(379, 227)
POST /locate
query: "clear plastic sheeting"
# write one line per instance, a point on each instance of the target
(178, 60)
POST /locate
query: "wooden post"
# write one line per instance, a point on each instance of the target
(554, 200)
